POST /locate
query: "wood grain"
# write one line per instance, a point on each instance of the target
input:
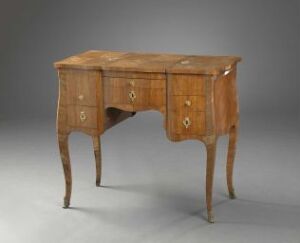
(186, 103)
(197, 96)
(116, 94)
(150, 93)
(210, 167)
(233, 134)
(206, 65)
(148, 62)
(143, 62)
(226, 105)
(127, 74)
(97, 153)
(81, 87)
(75, 112)
(182, 84)
(197, 120)
(65, 158)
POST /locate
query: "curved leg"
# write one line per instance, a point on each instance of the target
(65, 158)
(210, 167)
(230, 159)
(97, 152)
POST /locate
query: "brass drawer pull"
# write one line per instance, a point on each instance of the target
(80, 97)
(188, 103)
(186, 122)
(132, 95)
(82, 116)
(132, 83)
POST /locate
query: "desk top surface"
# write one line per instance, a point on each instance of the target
(149, 62)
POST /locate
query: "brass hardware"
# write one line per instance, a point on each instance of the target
(132, 83)
(80, 97)
(188, 103)
(112, 59)
(82, 116)
(186, 122)
(132, 95)
(184, 62)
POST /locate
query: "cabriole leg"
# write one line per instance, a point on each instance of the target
(97, 152)
(65, 158)
(230, 160)
(210, 167)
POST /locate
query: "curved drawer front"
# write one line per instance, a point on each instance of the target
(117, 97)
(81, 86)
(187, 123)
(82, 116)
(134, 94)
(180, 84)
(152, 96)
(186, 102)
(127, 82)
(116, 93)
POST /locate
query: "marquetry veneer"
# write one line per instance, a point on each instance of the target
(197, 96)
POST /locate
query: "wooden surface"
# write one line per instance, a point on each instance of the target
(197, 96)
(149, 62)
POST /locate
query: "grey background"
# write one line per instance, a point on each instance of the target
(152, 190)
(36, 33)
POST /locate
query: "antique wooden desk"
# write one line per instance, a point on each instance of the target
(197, 96)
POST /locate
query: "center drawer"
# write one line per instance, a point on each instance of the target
(126, 82)
(134, 94)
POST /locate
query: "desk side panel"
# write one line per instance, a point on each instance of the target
(80, 103)
(226, 102)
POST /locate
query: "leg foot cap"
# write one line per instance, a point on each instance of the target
(98, 183)
(210, 217)
(66, 203)
(232, 195)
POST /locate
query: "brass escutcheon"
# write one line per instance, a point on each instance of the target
(82, 116)
(132, 95)
(186, 122)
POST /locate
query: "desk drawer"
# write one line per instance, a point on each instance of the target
(150, 94)
(82, 116)
(81, 87)
(134, 94)
(116, 93)
(128, 83)
(134, 75)
(135, 83)
(186, 103)
(117, 97)
(180, 84)
(187, 123)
